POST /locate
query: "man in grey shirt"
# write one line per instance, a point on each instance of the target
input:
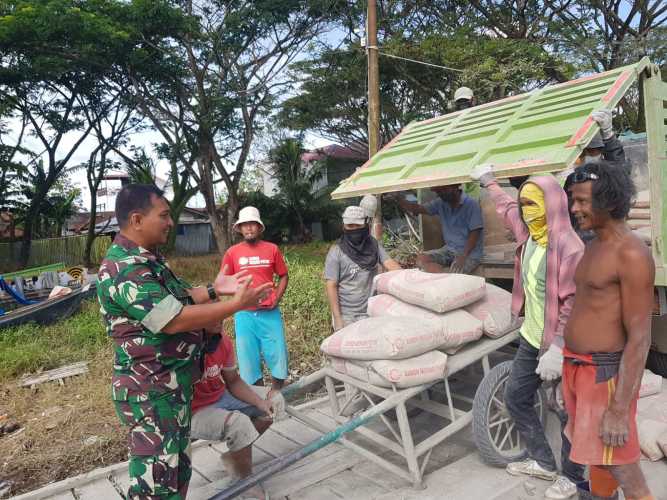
(351, 265)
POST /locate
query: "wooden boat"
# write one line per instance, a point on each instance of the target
(47, 310)
(35, 305)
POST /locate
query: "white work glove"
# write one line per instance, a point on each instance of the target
(550, 365)
(458, 264)
(603, 119)
(483, 174)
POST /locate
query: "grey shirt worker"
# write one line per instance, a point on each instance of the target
(354, 282)
(457, 223)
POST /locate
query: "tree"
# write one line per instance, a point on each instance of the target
(112, 119)
(294, 183)
(224, 76)
(142, 169)
(55, 208)
(332, 97)
(12, 170)
(54, 54)
(57, 54)
(592, 34)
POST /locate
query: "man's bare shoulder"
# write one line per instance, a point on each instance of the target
(633, 252)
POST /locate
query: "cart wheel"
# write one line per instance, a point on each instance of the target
(494, 432)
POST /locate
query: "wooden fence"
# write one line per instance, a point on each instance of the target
(68, 249)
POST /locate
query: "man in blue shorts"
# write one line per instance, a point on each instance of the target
(259, 330)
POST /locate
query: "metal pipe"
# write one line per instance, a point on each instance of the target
(282, 463)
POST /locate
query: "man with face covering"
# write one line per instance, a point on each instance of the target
(462, 229)
(546, 258)
(350, 266)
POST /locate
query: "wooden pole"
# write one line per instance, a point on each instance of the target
(373, 100)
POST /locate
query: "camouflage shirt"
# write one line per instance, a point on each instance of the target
(139, 296)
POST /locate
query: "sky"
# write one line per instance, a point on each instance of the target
(146, 139)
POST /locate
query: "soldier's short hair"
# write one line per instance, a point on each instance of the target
(135, 198)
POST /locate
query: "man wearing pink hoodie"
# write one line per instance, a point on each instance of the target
(547, 255)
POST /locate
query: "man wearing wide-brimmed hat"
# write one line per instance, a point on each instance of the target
(259, 329)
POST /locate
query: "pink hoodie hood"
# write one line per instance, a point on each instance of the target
(564, 250)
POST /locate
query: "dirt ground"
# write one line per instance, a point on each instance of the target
(65, 429)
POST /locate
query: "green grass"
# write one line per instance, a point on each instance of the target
(31, 347)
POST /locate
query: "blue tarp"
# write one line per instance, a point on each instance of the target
(4, 286)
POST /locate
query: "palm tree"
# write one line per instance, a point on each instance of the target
(141, 170)
(295, 180)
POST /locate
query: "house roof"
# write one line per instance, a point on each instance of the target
(335, 151)
(541, 131)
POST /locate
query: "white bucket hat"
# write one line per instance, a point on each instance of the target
(248, 214)
(354, 215)
(463, 93)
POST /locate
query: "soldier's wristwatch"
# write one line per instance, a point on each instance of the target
(211, 292)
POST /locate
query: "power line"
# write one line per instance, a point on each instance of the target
(419, 62)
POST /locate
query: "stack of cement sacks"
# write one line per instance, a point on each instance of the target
(414, 320)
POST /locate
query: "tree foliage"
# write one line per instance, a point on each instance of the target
(211, 77)
(332, 98)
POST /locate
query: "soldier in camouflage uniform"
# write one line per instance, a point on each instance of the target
(157, 323)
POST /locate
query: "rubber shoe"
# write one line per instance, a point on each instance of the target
(562, 489)
(531, 468)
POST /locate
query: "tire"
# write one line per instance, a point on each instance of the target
(498, 444)
(657, 362)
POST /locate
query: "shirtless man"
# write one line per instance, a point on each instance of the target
(607, 336)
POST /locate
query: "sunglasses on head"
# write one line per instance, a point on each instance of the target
(577, 177)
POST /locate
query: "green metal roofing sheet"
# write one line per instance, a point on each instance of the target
(655, 108)
(542, 131)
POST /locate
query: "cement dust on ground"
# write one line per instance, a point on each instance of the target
(65, 430)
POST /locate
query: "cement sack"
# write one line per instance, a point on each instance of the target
(651, 384)
(384, 338)
(653, 407)
(650, 434)
(494, 310)
(422, 369)
(434, 291)
(662, 442)
(457, 327)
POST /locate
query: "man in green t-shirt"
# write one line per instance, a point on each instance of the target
(159, 325)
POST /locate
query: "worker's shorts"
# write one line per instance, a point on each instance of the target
(260, 334)
(229, 419)
(444, 256)
(159, 445)
(587, 391)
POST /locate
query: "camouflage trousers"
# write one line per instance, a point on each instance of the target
(159, 445)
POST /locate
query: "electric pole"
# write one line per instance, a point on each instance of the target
(373, 100)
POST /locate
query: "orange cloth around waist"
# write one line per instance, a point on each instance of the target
(586, 358)
(586, 398)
